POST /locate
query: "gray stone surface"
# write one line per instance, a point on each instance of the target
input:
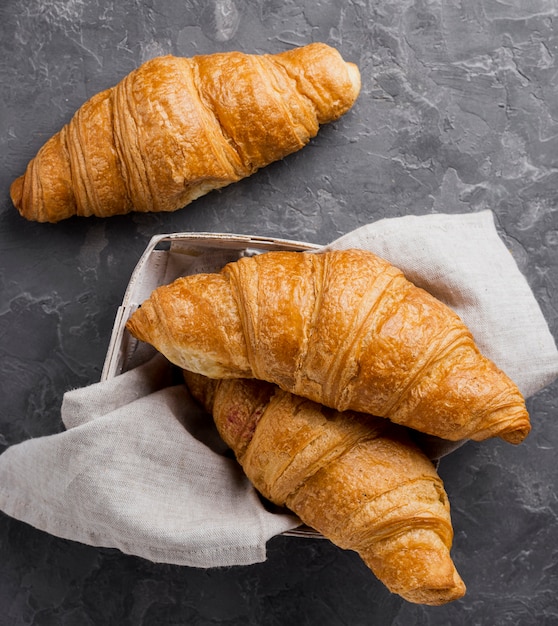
(458, 113)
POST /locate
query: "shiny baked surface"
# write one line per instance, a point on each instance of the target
(342, 328)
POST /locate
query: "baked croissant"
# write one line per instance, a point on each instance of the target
(359, 480)
(343, 328)
(176, 128)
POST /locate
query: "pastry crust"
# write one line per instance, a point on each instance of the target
(176, 128)
(342, 328)
(357, 479)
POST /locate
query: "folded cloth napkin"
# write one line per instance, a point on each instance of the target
(140, 468)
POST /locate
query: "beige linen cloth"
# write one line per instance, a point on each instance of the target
(140, 468)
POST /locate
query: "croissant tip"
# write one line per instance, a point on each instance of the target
(437, 596)
(16, 193)
(135, 323)
(516, 436)
(354, 77)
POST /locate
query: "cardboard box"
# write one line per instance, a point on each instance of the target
(166, 258)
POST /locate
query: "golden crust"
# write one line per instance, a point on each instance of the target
(176, 128)
(357, 479)
(344, 329)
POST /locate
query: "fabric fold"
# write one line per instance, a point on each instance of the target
(135, 478)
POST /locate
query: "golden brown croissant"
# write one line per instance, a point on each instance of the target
(358, 480)
(176, 128)
(343, 328)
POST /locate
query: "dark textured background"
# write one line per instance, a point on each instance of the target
(458, 113)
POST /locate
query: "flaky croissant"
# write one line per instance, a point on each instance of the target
(176, 128)
(358, 480)
(343, 328)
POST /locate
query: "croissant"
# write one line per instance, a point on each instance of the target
(342, 328)
(176, 128)
(358, 480)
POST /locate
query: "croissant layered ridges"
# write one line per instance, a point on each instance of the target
(359, 480)
(342, 328)
(176, 128)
